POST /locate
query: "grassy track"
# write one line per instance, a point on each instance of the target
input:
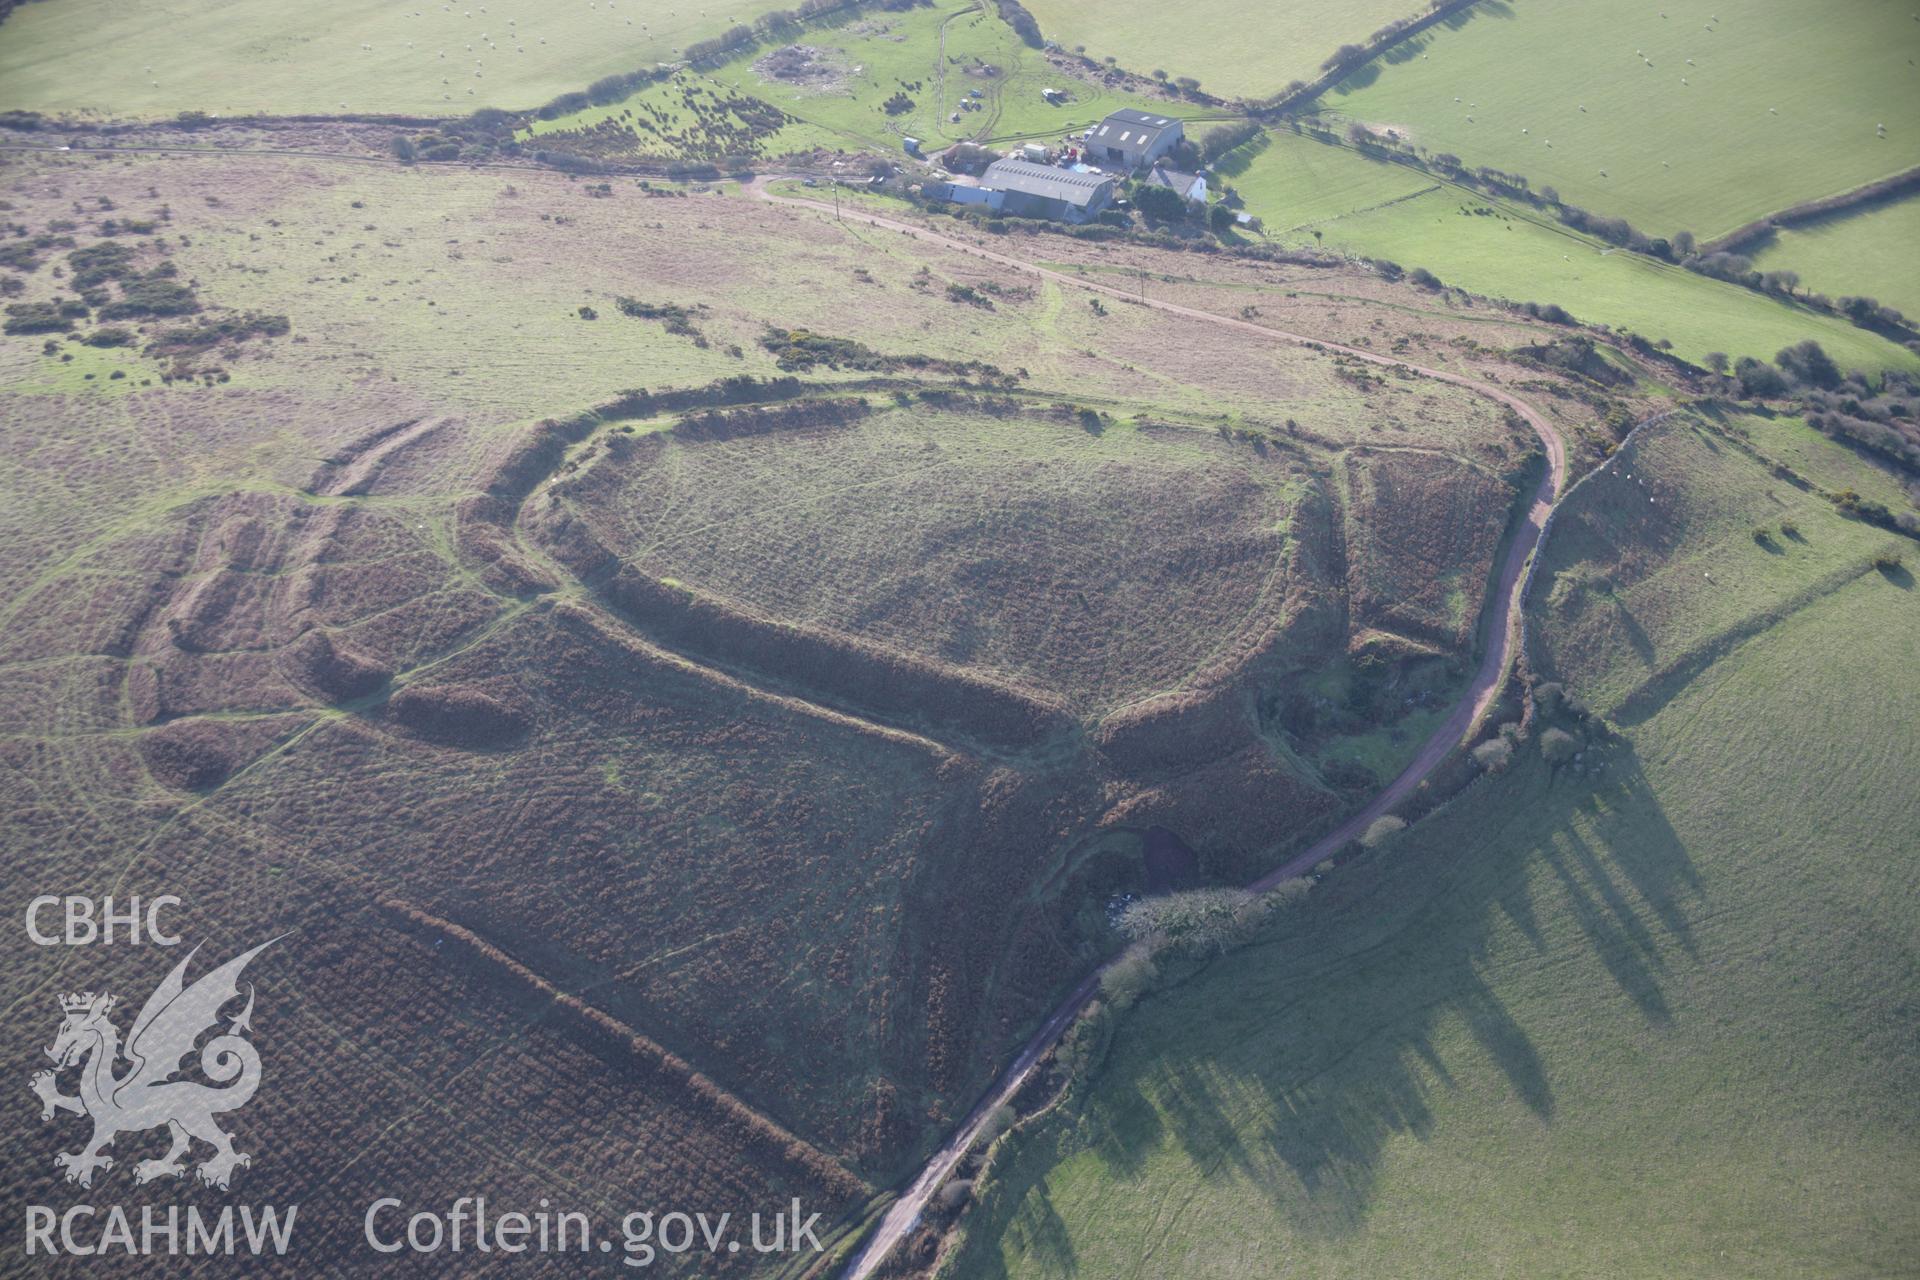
(1299, 187)
(1780, 104)
(116, 57)
(1643, 1020)
(1272, 44)
(1870, 253)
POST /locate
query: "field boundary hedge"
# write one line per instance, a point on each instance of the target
(1651, 694)
(1392, 34)
(1871, 193)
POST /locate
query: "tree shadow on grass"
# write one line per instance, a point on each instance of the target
(1241, 158)
(1362, 76)
(1413, 47)
(1041, 1234)
(1485, 9)
(1294, 1066)
(1636, 634)
(1407, 50)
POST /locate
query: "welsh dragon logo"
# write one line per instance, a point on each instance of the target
(146, 1095)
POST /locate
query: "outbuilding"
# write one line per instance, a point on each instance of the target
(963, 193)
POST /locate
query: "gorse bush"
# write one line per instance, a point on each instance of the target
(678, 319)
(221, 331)
(151, 296)
(44, 317)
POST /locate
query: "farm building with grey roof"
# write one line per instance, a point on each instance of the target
(1042, 191)
(1131, 139)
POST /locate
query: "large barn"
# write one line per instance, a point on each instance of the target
(1132, 139)
(1042, 191)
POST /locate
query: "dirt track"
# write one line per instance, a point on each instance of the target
(1497, 645)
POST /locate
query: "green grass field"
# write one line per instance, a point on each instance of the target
(1827, 462)
(1655, 565)
(937, 57)
(1647, 1017)
(1870, 253)
(1286, 41)
(1780, 102)
(115, 57)
(1299, 187)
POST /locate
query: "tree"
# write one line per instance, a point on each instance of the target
(1158, 204)
(997, 1123)
(1084, 1042)
(1381, 830)
(1129, 977)
(1216, 142)
(1808, 364)
(1758, 381)
(1494, 755)
(1344, 57)
(403, 148)
(1221, 219)
(1717, 361)
(968, 157)
(1549, 697)
(1559, 746)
